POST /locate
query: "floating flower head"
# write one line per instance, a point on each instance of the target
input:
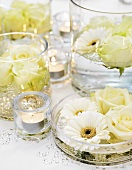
(90, 40)
(73, 108)
(88, 127)
(110, 97)
(119, 122)
(116, 52)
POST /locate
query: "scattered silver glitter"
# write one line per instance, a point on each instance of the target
(7, 137)
(51, 154)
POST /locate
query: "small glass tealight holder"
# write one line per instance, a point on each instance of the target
(59, 67)
(61, 25)
(52, 39)
(32, 115)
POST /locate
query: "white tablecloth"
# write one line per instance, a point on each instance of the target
(16, 154)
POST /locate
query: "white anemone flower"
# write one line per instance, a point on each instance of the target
(90, 40)
(76, 106)
(86, 129)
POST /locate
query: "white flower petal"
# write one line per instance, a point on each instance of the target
(90, 40)
(85, 120)
(71, 108)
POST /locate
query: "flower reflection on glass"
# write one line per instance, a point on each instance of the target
(88, 127)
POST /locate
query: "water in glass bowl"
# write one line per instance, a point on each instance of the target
(102, 47)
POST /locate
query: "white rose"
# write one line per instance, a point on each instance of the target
(19, 52)
(6, 76)
(14, 21)
(29, 76)
(119, 122)
(111, 97)
(39, 18)
(116, 52)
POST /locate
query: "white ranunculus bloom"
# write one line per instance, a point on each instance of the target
(119, 121)
(89, 128)
(111, 97)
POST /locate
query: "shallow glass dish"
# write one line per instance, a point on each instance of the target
(102, 155)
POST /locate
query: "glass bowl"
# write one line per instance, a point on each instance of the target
(103, 154)
(101, 59)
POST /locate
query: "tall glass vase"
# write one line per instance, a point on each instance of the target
(102, 47)
(23, 67)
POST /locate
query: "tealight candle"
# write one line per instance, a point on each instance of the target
(56, 69)
(59, 66)
(32, 115)
(63, 25)
(33, 123)
(65, 29)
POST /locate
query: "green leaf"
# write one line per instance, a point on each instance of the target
(121, 69)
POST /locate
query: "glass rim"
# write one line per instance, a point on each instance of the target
(74, 140)
(98, 11)
(44, 96)
(43, 41)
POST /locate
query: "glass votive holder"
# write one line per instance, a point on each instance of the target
(59, 66)
(32, 115)
(61, 25)
(52, 39)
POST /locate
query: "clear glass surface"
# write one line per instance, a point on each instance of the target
(61, 25)
(90, 69)
(53, 40)
(23, 67)
(103, 155)
(32, 115)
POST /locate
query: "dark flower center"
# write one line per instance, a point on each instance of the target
(76, 113)
(92, 43)
(88, 132)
